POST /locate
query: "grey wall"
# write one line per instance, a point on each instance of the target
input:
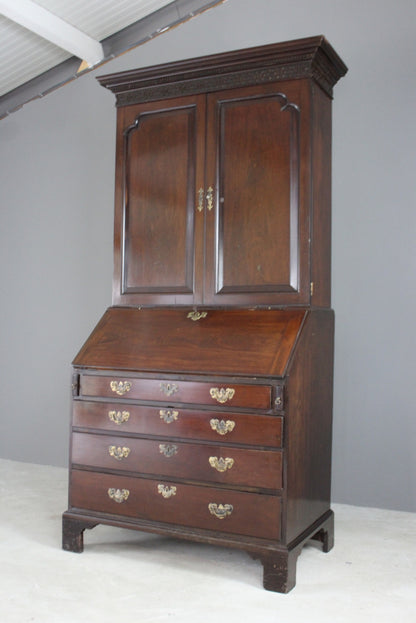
(56, 185)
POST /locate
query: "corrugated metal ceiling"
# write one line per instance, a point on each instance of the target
(31, 66)
(24, 55)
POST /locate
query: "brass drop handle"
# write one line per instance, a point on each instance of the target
(221, 427)
(220, 464)
(168, 415)
(168, 449)
(200, 205)
(220, 510)
(120, 387)
(210, 198)
(119, 417)
(119, 452)
(118, 495)
(222, 395)
(165, 491)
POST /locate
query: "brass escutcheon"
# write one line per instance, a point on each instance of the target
(168, 449)
(168, 388)
(166, 491)
(220, 464)
(120, 387)
(118, 495)
(168, 415)
(196, 315)
(119, 452)
(119, 417)
(221, 427)
(220, 510)
(222, 395)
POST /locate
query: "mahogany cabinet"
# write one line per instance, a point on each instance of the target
(202, 400)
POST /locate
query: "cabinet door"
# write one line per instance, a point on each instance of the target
(258, 228)
(158, 235)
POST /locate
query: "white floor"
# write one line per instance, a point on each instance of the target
(131, 577)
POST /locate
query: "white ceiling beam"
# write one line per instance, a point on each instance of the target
(54, 29)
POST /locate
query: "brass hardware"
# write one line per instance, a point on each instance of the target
(166, 491)
(279, 397)
(312, 287)
(168, 415)
(209, 198)
(220, 510)
(122, 387)
(196, 315)
(118, 495)
(200, 206)
(168, 388)
(168, 449)
(221, 427)
(75, 384)
(220, 464)
(119, 452)
(222, 395)
(119, 417)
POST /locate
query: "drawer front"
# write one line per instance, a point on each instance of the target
(209, 508)
(261, 430)
(228, 395)
(261, 469)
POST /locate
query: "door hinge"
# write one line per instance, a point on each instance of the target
(312, 284)
(75, 384)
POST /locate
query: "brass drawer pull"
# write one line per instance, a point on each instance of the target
(119, 417)
(220, 464)
(168, 388)
(166, 491)
(120, 387)
(168, 449)
(118, 452)
(168, 415)
(118, 495)
(222, 395)
(220, 510)
(221, 427)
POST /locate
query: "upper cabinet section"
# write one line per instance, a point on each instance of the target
(223, 178)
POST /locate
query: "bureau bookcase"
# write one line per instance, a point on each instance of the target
(202, 400)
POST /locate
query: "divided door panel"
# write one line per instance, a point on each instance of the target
(158, 239)
(257, 236)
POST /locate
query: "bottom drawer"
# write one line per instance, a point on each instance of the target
(209, 508)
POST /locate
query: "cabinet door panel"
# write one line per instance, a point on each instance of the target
(159, 243)
(255, 239)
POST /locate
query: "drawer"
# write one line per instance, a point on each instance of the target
(209, 508)
(260, 469)
(228, 395)
(260, 430)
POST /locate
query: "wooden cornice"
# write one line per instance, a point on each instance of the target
(312, 57)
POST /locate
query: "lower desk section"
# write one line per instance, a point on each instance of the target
(209, 508)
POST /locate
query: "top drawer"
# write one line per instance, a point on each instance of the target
(162, 390)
